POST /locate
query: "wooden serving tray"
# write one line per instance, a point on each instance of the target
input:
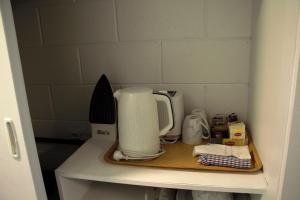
(179, 156)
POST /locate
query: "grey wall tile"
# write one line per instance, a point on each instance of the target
(229, 18)
(61, 129)
(50, 65)
(196, 61)
(226, 99)
(40, 2)
(123, 62)
(156, 19)
(79, 23)
(39, 100)
(27, 26)
(72, 102)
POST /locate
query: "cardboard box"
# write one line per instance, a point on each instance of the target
(237, 130)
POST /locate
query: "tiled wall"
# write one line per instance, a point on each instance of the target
(201, 47)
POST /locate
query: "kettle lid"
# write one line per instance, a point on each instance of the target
(137, 90)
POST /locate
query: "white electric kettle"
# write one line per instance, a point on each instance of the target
(138, 124)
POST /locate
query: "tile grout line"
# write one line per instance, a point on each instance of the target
(79, 66)
(253, 18)
(204, 98)
(204, 20)
(58, 120)
(63, 85)
(51, 101)
(38, 15)
(117, 34)
(217, 39)
(161, 63)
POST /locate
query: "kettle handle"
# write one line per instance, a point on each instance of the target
(164, 98)
(203, 120)
(206, 127)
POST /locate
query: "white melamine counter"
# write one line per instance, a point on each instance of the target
(87, 164)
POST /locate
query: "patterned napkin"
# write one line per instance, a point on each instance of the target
(224, 161)
(223, 155)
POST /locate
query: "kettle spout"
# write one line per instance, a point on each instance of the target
(117, 94)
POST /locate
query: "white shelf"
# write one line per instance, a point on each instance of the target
(109, 191)
(87, 163)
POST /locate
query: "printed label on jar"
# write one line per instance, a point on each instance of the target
(237, 134)
(230, 143)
